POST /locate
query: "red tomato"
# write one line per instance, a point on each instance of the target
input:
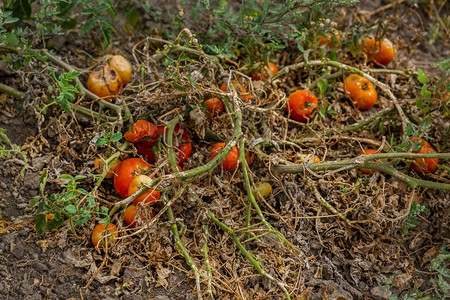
(424, 165)
(99, 165)
(214, 105)
(129, 215)
(301, 104)
(127, 170)
(231, 161)
(149, 197)
(266, 72)
(367, 152)
(103, 235)
(361, 91)
(142, 129)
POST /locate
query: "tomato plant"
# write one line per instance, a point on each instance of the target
(240, 90)
(104, 235)
(129, 215)
(125, 173)
(265, 73)
(104, 82)
(99, 165)
(301, 104)
(361, 91)
(367, 152)
(149, 197)
(381, 53)
(424, 165)
(231, 161)
(214, 105)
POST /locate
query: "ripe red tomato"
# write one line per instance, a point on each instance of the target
(214, 105)
(104, 82)
(129, 215)
(231, 161)
(146, 152)
(149, 197)
(361, 91)
(240, 90)
(265, 73)
(103, 235)
(382, 54)
(367, 152)
(424, 165)
(127, 170)
(301, 104)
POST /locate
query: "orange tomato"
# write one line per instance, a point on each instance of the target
(99, 165)
(149, 197)
(367, 152)
(265, 73)
(122, 67)
(332, 40)
(125, 173)
(214, 105)
(104, 82)
(424, 165)
(103, 235)
(231, 161)
(301, 104)
(361, 91)
(129, 215)
(239, 88)
(381, 53)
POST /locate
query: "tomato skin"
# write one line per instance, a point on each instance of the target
(100, 165)
(122, 66)
(424, 165)
(99, 235)
(183, 152)
(239, 88)
(149, 197)
(265, 73)
(104, 82)
(129, 215)
(127, 170)
(365, 170)
(141, 129)
(214, 105)
(301, 104)
(231, 161)
(361, 91)
(382, 54)
(147, 152)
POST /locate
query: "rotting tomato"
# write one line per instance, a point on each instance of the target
(149, 197)
(240, 90)
(125, 173)
(104, 235)
(104, 82)
(263, 190)
(361, 91)
(382, 53)
(129, 215)
(424, 165)
(311, 159)
(142, 130)
(301, 104)
(367, 152)
(99, 165)
(231, 161)
(265, 73)
(214, 105)
(122, 66)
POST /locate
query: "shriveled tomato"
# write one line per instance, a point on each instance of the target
(361, 91)
(135, 214)
(424, 165)
(265, 73)
(240, 90)
(122, 66)
(214, 105)
(301, 104)
(313, 159)
(231, 161)
(142, 131)
(149, 197)
(127, 170)
(104, 82)
(381, 53)
(104, 235)
(367, 152)
(263, 190)
(99, 165)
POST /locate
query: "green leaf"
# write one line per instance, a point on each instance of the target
(40, 224)
(71, 209)
(116, 137)
(91, 203)
(425, 92)
(88, 25)
(83, 218)
(177, 86)
(322, 84)
(35, 200)
(101, 141)
(43, 181)
(421, 76)
(105, 221)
